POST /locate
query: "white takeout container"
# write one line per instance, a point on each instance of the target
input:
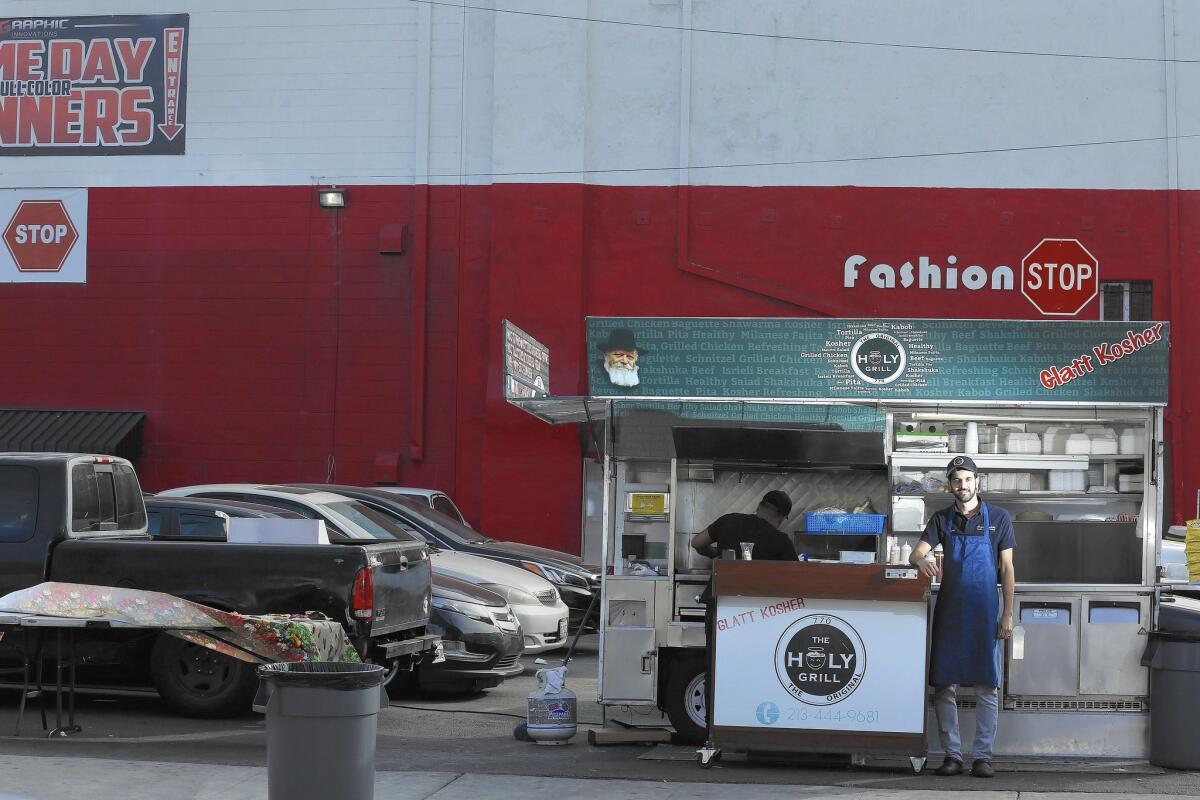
(1078, 444)
(1132, 441)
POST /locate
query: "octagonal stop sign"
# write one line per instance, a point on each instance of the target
(40, 235)
(1060, 277)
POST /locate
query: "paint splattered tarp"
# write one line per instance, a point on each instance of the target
(276, 637)
(255, 638)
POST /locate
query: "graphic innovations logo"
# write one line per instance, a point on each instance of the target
(820, 660)
(878, 358)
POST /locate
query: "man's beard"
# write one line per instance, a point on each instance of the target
(970, 495)
(622, 376)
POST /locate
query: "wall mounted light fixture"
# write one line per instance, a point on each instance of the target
(333, 197)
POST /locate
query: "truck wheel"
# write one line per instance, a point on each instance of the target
(197, 682)
(686, 700)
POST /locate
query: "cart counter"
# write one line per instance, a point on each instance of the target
(819, 657)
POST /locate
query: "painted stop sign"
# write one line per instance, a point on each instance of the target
(1060, 277)
(40, 235)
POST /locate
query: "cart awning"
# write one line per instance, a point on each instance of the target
(559, 410)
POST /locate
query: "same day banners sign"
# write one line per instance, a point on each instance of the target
(111, 85)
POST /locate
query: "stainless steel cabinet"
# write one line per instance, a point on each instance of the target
(1043, 655)
(1111, 641)
(628, 668)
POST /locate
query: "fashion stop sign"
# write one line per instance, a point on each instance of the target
(45, 235)
(40, 235)
(1060, 277)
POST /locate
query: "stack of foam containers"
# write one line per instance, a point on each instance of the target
(1104, 441)
(1132, 441)
(1130, 483)
(1077, 444)
(1067, 480)
(1023, 443)
(1053, 440)
(989, 438)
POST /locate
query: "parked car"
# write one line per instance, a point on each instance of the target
(543, 615)
(208, 519)
(575, 582)
(481, 636)
(345, 519)
(438, 501)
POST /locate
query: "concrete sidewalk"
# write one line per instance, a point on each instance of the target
(58, 778)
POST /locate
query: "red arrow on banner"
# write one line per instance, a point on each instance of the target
(172, 71)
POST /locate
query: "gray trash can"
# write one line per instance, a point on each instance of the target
(1174, 661)
(321, 721)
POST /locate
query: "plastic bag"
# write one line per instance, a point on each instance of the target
(550, 681)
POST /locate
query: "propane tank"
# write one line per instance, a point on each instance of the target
(551, 718)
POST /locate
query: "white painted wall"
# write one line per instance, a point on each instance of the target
(728, 92)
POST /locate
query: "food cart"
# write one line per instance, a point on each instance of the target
(1063, 419)
(794, 659)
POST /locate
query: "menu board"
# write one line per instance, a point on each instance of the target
(917, 359)
(526, 364)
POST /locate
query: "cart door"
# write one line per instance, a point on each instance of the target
(1112, 638)
(629, 670)
(1043, 655)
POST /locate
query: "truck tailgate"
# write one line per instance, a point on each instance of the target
(402, 578)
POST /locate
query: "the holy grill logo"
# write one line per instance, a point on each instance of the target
(878, 358)
(820, 660)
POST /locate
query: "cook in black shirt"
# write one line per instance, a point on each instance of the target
(761, 528)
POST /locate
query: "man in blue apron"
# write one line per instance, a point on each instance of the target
(969, 621)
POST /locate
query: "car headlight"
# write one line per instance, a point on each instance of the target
(471, 610)
(512, 594)
(577, 580)
(551, 574)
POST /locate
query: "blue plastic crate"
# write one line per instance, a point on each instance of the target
(856, 524)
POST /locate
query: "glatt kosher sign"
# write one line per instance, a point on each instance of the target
(810, 664)
(45, 235)
(113, 85)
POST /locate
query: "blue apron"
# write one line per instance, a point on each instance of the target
(965, 648)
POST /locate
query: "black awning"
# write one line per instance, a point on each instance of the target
(38, 430)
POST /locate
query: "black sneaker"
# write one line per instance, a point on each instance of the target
(983, 769)
(951, 766)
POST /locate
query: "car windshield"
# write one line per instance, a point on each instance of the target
(449, 527)
(368, 521)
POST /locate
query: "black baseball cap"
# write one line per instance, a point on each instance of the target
(961, 462)
(779, 501)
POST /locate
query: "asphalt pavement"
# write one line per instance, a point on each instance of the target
(447, 747)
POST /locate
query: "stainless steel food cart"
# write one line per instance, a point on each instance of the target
(808, 658)
(1067, 430)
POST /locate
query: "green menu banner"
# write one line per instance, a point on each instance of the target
(881, 359)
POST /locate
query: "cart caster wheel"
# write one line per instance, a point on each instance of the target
(707, 756)
(918, 764)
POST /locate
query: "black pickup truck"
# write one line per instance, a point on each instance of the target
(81, 519)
